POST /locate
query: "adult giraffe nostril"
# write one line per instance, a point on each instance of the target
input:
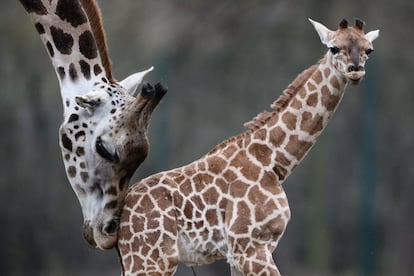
(111, 227)
(87, 232)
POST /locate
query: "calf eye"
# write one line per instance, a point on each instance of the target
(334, 50)
(104, 152)
(369, 51)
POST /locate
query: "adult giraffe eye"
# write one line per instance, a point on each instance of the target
(334, 50)
(369, 51)
(104, 152)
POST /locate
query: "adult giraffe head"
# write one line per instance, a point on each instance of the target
(103, 142)
(103, 136)
(349, 47)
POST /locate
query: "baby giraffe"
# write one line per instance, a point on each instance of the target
(230, 204)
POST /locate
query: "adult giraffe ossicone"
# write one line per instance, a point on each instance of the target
(103, 136)
(230, 203)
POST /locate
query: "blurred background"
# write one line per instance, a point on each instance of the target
(352, 199)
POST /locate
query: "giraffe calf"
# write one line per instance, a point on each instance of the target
(230, 204)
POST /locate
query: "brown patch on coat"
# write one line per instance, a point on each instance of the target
(317, 77)
(282, 159)
(238, 189)
(242, 222)
(229, 151)
(312, 99)
(329, 100)
(311, 124)
(280, 171)
(211, 196)
(311, 87)
(270, 183)
(216, 164)
(334, 82)
(297, 148)
(290, 120)
(296, 104)
(247, 168)
(326, 72)
(261, 152)
(277, 136)
(260, 134)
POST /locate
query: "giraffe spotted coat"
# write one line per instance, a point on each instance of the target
(230, 204)
(103, 136)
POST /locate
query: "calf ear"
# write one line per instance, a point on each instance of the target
(322, 31)
(372, 35)
(131, 82)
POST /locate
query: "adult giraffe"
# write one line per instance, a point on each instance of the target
(103, 136)
(230, 203)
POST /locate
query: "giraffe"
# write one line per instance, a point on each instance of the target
(103, 136)
(230, 203)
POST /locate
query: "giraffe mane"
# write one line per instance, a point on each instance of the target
(261, 119)
(288, 94)
(94, 15)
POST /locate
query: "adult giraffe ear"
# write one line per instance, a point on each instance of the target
(90, 101)
(131, 82)
(322, 31)
(372, 35)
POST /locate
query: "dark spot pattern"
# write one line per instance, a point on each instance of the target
(123, 182)
(34, 6)
(87, 45)
(79, 134)
(111, 191)
(97, 69)
(111, 205)
(84, 176)
(50, 49)
(61, 72)
(63, 41)
(96, 188)
(86, 69)
(72, 171)
(39, 28)
(73, 117)
(66, 142)
(80, 151)
(72, 72)
(71, 11)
